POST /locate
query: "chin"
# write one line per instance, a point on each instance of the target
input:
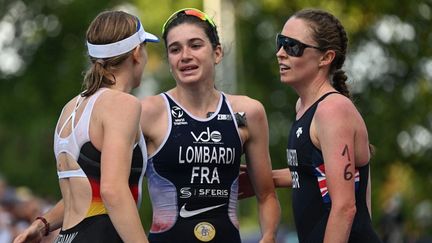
(285, 81)
(188, 80)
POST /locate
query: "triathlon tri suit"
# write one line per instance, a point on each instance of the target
(193, 177)
(96, 226)
(311, 200)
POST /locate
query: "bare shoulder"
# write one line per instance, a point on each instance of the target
(252, 107)
(154, 121)
(121, 98)
(153, 106)
(336, 107)
(119, 103)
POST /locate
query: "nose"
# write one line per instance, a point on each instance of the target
(186, 54)
(281, 53)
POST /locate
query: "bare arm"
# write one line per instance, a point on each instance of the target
(259, 168)
(36, 231)
(120, 128)
(282, 178)
(154, 121)
(336, 133)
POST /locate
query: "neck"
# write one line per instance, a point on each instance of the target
(123, 81)
(121, 87)
(309, 93)
(197, 100)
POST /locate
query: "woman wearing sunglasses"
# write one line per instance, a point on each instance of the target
(196, 138)
(328, 148)
(98, 144)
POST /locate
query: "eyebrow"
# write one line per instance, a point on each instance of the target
(188, 41)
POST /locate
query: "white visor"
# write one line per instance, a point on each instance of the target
(122, 46)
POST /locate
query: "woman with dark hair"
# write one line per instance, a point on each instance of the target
(195, 137)
(98, 144)
(328, 148)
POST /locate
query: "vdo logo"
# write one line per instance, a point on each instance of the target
(177, 112)
(206, 136)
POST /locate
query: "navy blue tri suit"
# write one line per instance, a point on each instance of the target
(193, 177)
(311, 200)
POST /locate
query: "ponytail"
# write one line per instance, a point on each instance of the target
(96, 77)
(339, 82)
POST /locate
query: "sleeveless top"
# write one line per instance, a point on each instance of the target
(192, 177)
(79, 147)
(311, 200)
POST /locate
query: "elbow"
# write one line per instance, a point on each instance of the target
(351, 212)
(268, 197)
(266, 192)
(110, 196)
(347, 210)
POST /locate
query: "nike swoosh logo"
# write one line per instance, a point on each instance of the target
(190, 213)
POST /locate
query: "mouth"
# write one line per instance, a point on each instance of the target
(283, 67)
(188, 68)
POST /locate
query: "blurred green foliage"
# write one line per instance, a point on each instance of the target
(391, 73)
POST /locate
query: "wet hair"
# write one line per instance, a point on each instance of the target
(108, 27)
(329, 34)
(181, 18)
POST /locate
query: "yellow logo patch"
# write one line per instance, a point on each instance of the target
(204, 231)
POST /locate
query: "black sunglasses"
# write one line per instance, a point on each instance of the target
(292, 46)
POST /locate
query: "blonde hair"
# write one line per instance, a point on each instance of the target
(108, 27)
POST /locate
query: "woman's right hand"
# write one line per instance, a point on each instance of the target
(32, 234)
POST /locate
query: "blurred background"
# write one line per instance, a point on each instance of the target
(43, 57)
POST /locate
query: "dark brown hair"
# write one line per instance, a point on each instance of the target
(108, 27)
(329, 33)
(181, 18)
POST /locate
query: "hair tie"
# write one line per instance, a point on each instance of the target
(101, 62)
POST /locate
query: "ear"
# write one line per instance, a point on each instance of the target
(327, 58)
(218, 53)
(136, 54)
